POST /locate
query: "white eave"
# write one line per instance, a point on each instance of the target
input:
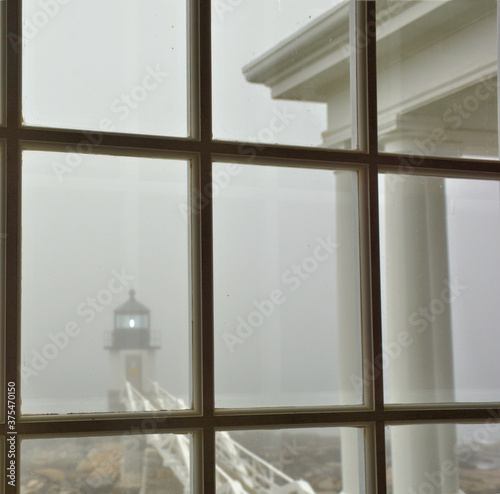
(289, 64)
(314, 62)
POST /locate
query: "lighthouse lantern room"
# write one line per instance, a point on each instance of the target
(132, 347)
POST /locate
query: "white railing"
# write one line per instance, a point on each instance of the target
(226, 484)
(175, 454)
(166, 400)
(172, 448)
(261, 476)
(238, 470)
(136, 401)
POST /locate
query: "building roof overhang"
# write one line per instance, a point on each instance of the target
(315, 61)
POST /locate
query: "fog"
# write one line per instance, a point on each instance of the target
(88, 221)
(112, 225)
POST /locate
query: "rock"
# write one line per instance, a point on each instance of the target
(53, 474)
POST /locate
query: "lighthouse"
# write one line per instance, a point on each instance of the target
(132, 347)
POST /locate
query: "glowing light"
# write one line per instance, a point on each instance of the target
(131, 323)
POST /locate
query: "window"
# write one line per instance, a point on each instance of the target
(250, 256)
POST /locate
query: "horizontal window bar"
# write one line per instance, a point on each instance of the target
(160, 422)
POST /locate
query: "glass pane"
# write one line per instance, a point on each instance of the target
(108, 66)
(107, 237)
(302, 461)
(435, 458)
(437, 77)
(440, 241)
(287, 306)
(150, 464)
(291, 82)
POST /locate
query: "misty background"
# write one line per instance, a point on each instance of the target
(85, 217)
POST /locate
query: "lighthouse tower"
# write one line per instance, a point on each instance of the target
(132, 347)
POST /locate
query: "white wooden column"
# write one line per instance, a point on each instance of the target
(416, 272)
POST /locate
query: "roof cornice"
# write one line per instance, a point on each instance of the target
(328, 31)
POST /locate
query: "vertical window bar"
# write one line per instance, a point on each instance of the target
(197, 326)
(12, 243)
(381, 471)
(3, 241)
(197, 310)
(370, 459)
(197, 462)
(369, 38)
(204, 203)
(359, 44)
(205, 64)
(207, 301)
(3, 71)
(353, 30)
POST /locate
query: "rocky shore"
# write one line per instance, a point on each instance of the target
(95, 465)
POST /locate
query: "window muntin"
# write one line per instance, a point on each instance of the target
(3, 244)
(3, 72)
